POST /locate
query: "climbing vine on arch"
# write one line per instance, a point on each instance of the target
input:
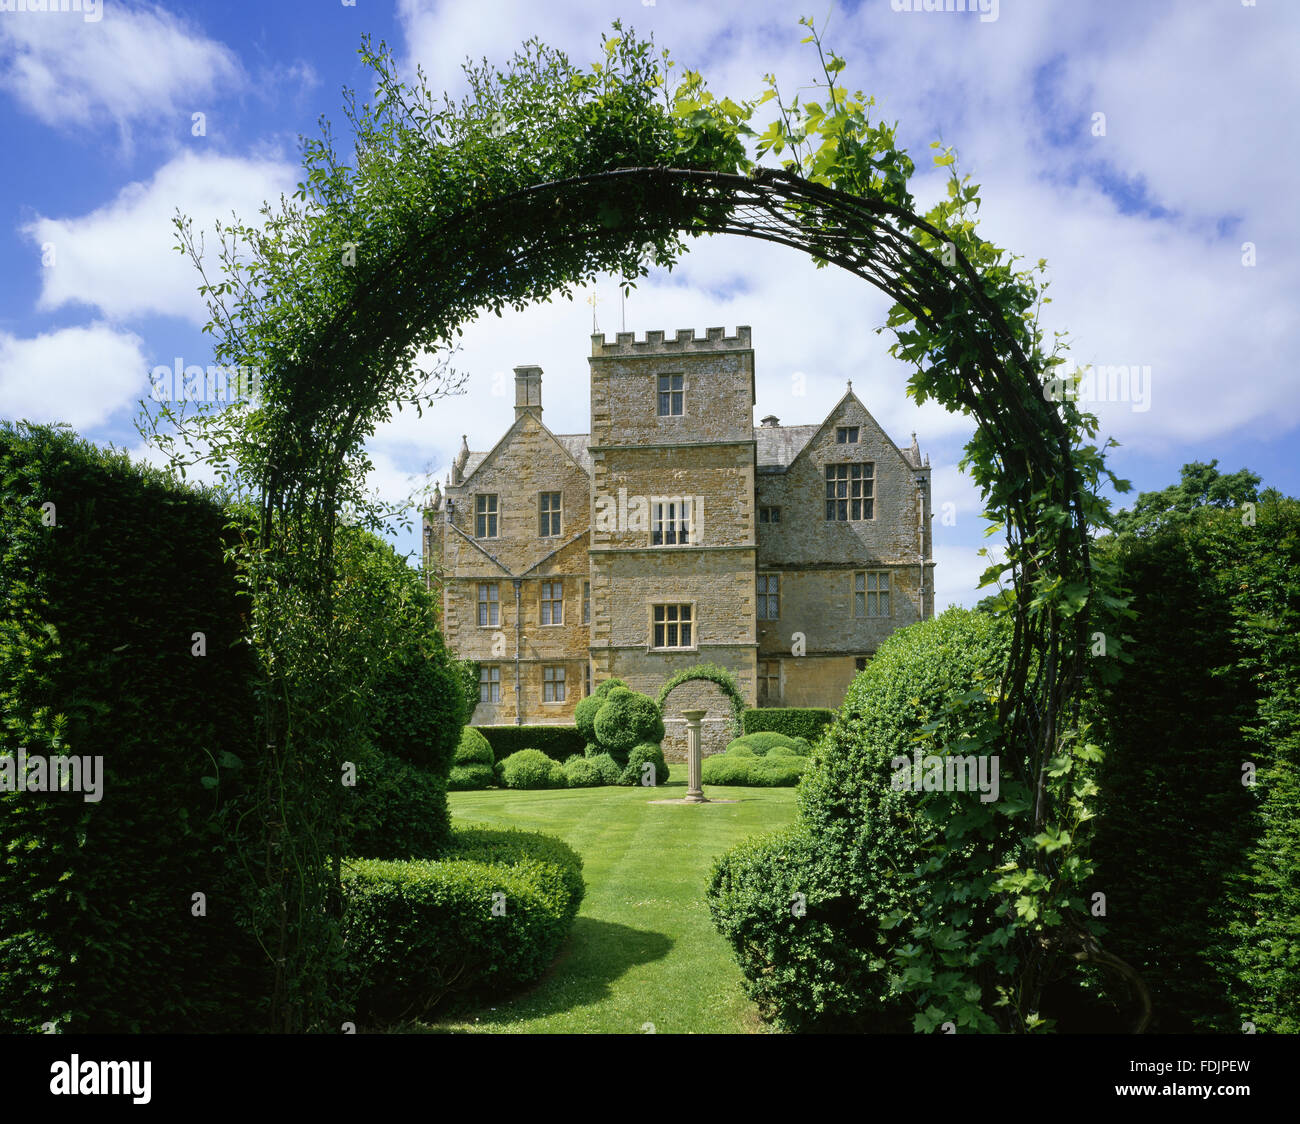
(542, 177)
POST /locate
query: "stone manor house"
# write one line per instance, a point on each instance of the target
(677, 532)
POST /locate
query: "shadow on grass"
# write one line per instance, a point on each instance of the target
(595, 954)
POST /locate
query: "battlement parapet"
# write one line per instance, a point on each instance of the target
(626, 344)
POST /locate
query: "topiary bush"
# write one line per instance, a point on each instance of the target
(531, 768)
(862, 836)
(414, 688)
(581, 772)
(777, 772)
(474, 749)
(609, 770)
(647, 753)
(584, 717)
(737, 749)
(625, 719)
(396, 810)
(775, 897)
(761, 744)
(488, 918)
(724, 769)
(464, 778)
(740, 766)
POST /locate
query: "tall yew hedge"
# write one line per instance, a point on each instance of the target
(101, 596)
(1201, 871)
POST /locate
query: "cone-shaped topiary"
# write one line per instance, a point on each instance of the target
(474, 749)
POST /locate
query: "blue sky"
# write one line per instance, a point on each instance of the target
(1142, 212)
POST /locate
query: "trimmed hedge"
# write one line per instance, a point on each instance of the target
(775, 898)
(805, 722)
(647, 753)
(415, 698)
(99, 602)
(531, 768)
(488, 919)
(761, 744)
(743, 768)
(465, 778)
(1202, 872)
(557, 742)
(610, 771)
(580, 772)
(720, 768)
(777, 772)
(396, 810)
(858, 839)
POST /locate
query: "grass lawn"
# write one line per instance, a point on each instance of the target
(643, 949)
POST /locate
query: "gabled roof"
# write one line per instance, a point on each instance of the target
(575, 444)
(566, 444)
(815, 431)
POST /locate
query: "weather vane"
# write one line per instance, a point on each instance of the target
(591, 300)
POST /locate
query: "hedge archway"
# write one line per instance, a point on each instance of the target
(721, 678)
(541, 178)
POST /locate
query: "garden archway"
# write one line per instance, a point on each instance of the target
(545, 177)
(725, 698)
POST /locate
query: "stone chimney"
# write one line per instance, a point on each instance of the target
(528, 391)
(770, 422)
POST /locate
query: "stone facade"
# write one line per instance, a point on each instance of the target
(676, 532)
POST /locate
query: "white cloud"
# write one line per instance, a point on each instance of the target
(1130, 286)
(1142, 229)
(121, 257)
(136, 64)
(81, 376)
